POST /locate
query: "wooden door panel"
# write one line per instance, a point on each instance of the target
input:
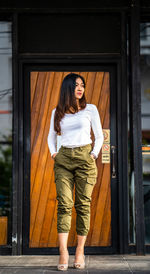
(45, 87)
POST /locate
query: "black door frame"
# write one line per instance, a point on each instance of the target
(81, 64)
(19, 60)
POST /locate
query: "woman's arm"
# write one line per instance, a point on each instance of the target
(52, 136)
(97, 130)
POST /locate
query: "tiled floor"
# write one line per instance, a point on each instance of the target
(112, 264)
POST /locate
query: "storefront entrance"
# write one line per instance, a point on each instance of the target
(39, 229)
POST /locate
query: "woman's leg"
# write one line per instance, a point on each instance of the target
(64, 189)
(64, 182)
(63, 239)
(85, 179)
(80, 249)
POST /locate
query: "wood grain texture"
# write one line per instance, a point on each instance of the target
(3, 230)
(45, 88)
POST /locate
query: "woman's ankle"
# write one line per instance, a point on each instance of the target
(80, 248)
(79, 251)
(63, 250)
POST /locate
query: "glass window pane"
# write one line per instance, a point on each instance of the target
(5, 130)
(145, 119)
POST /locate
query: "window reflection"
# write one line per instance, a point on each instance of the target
(145, 119)
(5, 129)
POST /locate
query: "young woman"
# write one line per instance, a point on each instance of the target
(74, 163)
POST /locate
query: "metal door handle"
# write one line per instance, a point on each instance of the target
(113, 148)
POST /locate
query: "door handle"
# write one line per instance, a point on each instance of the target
(113, 149)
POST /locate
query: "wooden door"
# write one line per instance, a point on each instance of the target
(44, 94)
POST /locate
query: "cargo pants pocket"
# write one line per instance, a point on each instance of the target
(88, 187)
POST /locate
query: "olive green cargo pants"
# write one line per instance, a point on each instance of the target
(74, 166)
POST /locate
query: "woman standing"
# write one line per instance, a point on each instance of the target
(74, 163)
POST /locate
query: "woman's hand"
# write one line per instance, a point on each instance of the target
(54, 155)
(92, 156)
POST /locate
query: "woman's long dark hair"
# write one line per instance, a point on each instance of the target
(67, 100)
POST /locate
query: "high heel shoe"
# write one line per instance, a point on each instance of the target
(79, 265)
(63, 267)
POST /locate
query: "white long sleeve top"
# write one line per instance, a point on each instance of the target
(76, 130)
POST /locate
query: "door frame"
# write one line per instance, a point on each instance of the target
(87, 64)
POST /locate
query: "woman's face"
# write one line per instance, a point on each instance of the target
(79, 89)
